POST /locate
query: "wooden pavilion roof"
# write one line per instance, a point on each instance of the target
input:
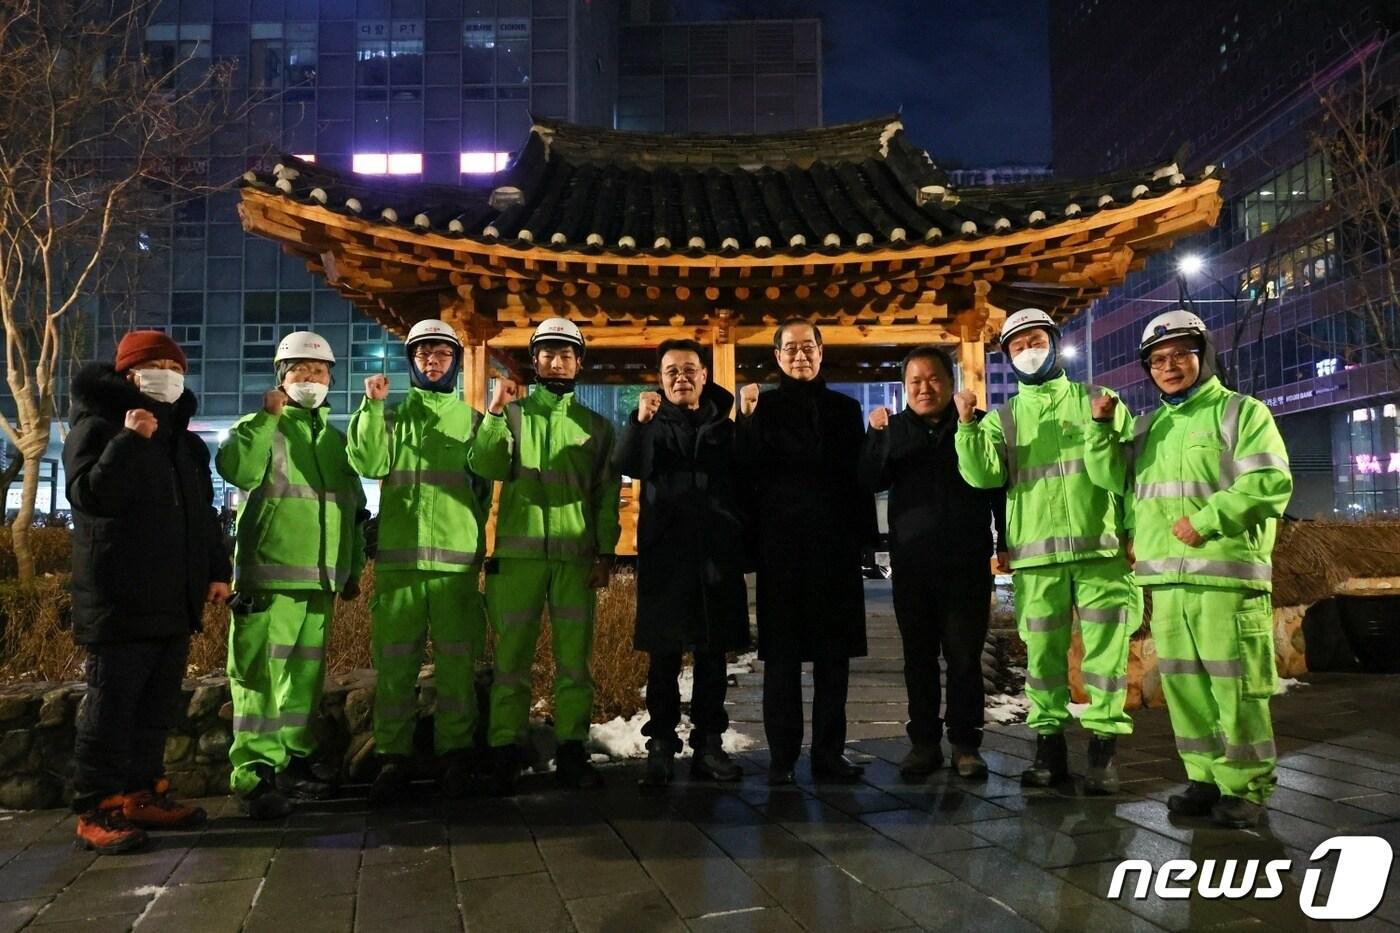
(640, 237)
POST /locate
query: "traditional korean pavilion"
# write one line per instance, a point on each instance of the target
(644, 237)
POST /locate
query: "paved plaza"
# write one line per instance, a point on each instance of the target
(882, 855)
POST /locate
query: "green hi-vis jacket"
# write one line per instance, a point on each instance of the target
(1217, 459)
(560, 496)
(1034, 445)
(434, 498)
(298, 526)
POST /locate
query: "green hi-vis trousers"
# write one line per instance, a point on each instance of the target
(515, 595)
(1215, 651)
(407, 606)
(1101, 593)
(276, 669)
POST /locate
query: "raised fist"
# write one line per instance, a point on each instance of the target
(377, 388)
(142, 422)
(748, 398)
(507, 390)
(647, 405)
(1103, 406)
(966, 402)
(274, 400)
(880, 418)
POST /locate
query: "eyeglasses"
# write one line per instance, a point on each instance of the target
(434, 356)
(690, 372)
(1160, 361)
(792, 350)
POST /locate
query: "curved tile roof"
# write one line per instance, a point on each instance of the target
(848, 188)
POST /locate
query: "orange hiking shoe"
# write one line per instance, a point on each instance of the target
(107, 831)
(156, 809)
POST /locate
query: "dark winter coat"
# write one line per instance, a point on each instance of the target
(801, 452)
(690, 535)
(146, 538)
(938, 523)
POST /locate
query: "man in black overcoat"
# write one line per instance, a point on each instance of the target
(690, 557)
(800, 445)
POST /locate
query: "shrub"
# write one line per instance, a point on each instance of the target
(36, 643)
(53, 551)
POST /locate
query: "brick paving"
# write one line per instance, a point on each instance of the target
(881, 855)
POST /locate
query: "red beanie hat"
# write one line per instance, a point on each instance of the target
(147, 346)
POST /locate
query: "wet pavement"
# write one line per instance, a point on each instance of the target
(880, 855)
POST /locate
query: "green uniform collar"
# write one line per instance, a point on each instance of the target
(1204, 393)
(1049, 389)
(546, 399)
(297, 413)
(434, 400)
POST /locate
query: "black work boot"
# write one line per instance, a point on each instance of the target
(392, 781)
(1102, 776)
(661, 765)
(505, 769)
(299, 781)
(1196, 800)
(713, 763)
(458, 777)
(921, 761)
(1236, 813)
(265, 801)
(573, 769)
(1051, 765)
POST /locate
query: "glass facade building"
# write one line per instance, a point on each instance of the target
(1275, 279)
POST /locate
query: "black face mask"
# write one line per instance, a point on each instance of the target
(559, 386)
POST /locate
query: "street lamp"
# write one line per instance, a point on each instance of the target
(1190, 264)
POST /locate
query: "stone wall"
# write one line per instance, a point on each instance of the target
(38, 723)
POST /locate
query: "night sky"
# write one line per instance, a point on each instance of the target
(972, 78)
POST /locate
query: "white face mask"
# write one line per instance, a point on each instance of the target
(163, 385)
(307, 394)
(1029, 361)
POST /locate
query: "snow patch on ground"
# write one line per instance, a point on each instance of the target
(150, 890)
(1003, 708)
(622, 738)
(1286, 684)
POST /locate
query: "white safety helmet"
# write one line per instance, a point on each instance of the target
(557, 329)
(434, 330)
(1177, 322)
(1025, 319)
(304, 345)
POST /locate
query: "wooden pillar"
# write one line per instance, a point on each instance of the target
(972, 360)
(724, 369)
(475, 363)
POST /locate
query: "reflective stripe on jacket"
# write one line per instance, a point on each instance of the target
(1035, 444)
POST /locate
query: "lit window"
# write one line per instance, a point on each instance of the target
(405, 163)
(1390, 411)
(392, 163)
(370, 163)
(305, 157)
(1360, 414)
(484, 163)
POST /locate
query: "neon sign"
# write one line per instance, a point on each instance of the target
(1371, 464)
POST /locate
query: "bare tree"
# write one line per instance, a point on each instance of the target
(1360, 138)
(101, 134)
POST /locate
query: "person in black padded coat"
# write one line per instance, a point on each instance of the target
(148, 553)
(690, 557)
